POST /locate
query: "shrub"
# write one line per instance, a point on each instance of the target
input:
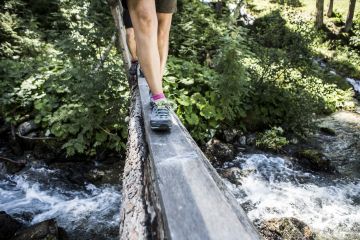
(272, 139)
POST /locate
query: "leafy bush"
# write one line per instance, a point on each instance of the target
(48, 72)
(254, 80)
(272, 139)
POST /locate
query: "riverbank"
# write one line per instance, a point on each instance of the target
(309, 190)
(63, 198)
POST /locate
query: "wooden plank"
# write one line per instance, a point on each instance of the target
(193, 205)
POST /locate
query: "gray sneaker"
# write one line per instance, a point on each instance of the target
(160, 118)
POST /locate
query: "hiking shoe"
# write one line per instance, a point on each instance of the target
(160, 118)
(133, 68)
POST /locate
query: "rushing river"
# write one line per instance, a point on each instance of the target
(39, 193)
(274, 187)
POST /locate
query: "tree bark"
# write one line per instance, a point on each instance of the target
(350, 16)
(330, 11)
(319, 22)
(134, 209)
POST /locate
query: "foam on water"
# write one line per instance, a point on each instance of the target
(355, 83)
(277, 189)
(87, 211)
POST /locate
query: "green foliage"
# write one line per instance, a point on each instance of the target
(188, 85)
(219, 75)
(251, 80)
(272, 139)
(355, 38)
(47, 64)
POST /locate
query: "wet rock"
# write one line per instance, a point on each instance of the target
(44, 150)
(62, 234)
(2, 169)
(315, 160)
(8, 226)
(286, 228)
(42, 231)
(343, 149)
(242, 140)
(103, 175)
(235, 174)
(219, 152)
(251, 140)
(328, 131)
(11, 166)
(230, 135)
(26, 127)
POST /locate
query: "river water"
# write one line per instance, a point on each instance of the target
(40, 192)
(274, 187)
(277, 188)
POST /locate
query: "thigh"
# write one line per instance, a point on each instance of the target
(165, 6)
(141, 8)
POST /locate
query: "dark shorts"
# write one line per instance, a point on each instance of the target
(127, 19)
(162, 6)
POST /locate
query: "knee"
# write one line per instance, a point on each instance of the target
(147, 22)
(163, 35)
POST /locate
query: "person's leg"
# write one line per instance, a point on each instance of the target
(144, 19)
(131, 43)
(130, 39)
(164, 25)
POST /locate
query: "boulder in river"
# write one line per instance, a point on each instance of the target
(11, 166)
(286, 228)
(44, 230)
(235, 174)
(26, 127)
(8, 226)
(219, 152)
(314, 160)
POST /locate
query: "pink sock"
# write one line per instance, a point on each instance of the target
(158, 97)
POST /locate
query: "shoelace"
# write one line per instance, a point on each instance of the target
(162, 111)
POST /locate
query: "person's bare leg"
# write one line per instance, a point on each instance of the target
(130, 39)
(144, 19)
(164, 25)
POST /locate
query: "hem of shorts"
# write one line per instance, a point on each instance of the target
(166, 11)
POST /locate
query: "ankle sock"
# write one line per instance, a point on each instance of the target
(158, 97)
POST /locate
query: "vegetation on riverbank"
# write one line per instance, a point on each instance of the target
(220, 75)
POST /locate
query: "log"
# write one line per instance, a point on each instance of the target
(188, 196)
(134, 214)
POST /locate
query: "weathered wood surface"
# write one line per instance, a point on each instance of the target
(193, 202)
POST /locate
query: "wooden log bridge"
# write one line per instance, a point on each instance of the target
(170, 189)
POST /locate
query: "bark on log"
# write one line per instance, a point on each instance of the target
(134, 209)
(134, 216)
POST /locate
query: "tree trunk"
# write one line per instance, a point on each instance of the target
(330, 11)
(319, 14)
(350, 16)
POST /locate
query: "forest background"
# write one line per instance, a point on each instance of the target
(224, 73)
